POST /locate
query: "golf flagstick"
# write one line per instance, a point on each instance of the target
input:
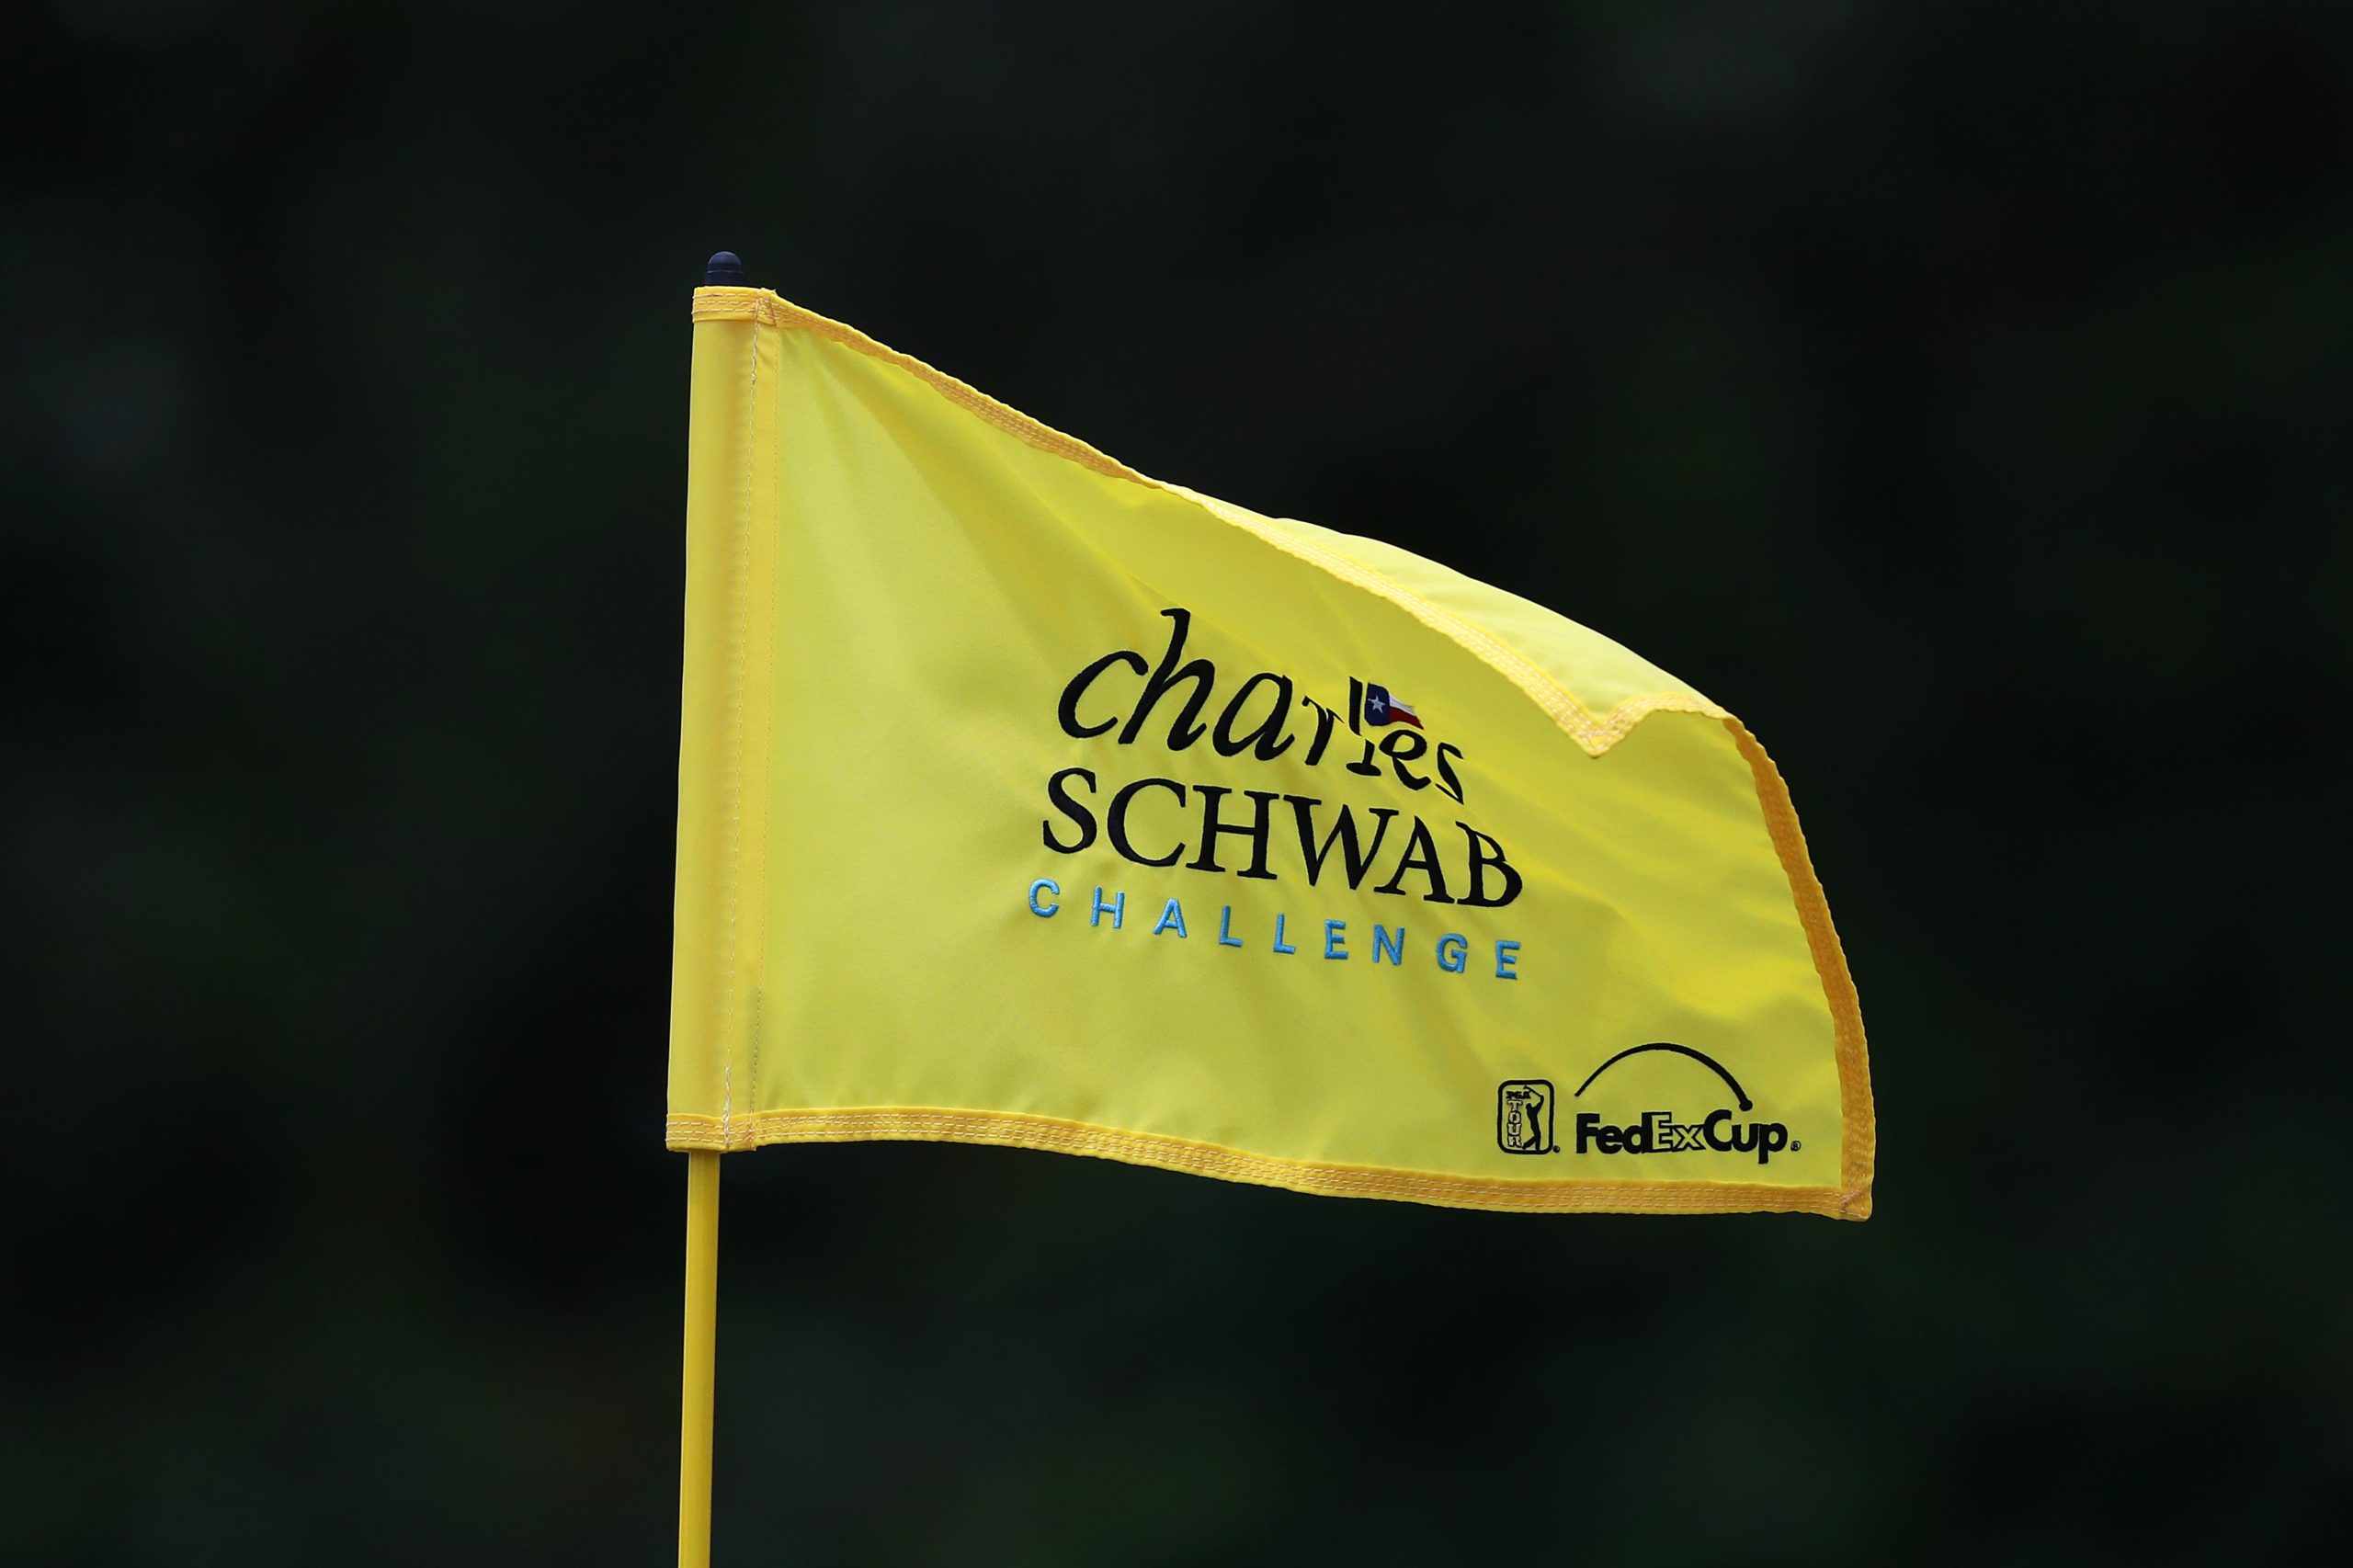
(696, 1368)
(702, 1324)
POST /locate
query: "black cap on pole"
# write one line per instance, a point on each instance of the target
(725, 271)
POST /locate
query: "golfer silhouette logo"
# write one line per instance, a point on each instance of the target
(1524, 1116)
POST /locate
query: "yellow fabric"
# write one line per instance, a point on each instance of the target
(1580, 960)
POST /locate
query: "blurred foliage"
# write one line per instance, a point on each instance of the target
(1957, 391)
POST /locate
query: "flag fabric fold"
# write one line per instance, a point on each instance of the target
(1025, 799)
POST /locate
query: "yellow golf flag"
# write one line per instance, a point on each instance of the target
(1025, 799)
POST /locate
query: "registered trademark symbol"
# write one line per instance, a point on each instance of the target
(1795, 1144)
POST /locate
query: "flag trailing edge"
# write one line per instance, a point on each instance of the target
(1073, 835)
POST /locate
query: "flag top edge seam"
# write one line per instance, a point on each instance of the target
(1594, 734)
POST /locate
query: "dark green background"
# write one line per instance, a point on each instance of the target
(1958, 390)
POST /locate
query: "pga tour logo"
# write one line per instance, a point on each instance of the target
(1524, 1116)
(1524, 1120)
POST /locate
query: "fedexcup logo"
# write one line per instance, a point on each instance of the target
(1659, 1132)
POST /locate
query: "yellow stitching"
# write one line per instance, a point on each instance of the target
(773, 1127)
(1595, 734)
(1565, 1198)
(1664, 1195)
(1860, 1145)
(739, 637)
(758, 1024)
(759, 305)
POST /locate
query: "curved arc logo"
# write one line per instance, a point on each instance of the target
(1659, 1132)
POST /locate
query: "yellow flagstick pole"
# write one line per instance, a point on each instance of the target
(709, 458)
(703, 1331)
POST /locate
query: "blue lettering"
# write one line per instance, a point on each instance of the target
(1506, 955)
(1336, 943)
(1118, 909)
(1171, 919)
(1281, 945)
(1226, 936)
(1396, 944)
(1044, 884)
(1453, 952)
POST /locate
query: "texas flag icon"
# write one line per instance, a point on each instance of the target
(1381, 707)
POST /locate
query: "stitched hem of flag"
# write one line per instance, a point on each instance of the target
(1595, 733)
(727, 699)
(1858, 1144)
(1054, 1135)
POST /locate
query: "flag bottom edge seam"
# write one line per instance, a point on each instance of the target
(686, 1132)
